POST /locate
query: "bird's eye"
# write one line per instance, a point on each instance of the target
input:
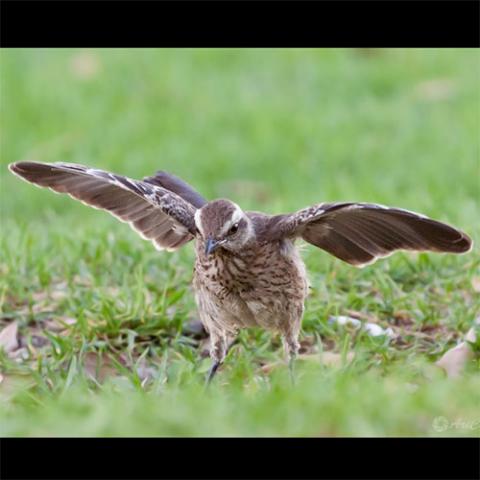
(233, 229)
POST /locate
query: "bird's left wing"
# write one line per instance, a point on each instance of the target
(156, 213)
(359, 233)
(178, 186)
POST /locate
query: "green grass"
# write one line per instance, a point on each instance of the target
(104, 318)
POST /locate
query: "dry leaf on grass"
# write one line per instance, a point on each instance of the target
(99, 367)
(53, 326)
(454, 360)
(8, 337)
(471, 335)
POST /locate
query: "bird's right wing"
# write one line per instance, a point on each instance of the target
(156, 213)
(359, 233)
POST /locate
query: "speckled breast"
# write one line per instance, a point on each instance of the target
(258, 287)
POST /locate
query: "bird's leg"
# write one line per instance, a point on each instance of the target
(218, 351)
(291, 345)
(212, 371)
(229, 342)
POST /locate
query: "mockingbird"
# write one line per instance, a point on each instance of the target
(247, 272)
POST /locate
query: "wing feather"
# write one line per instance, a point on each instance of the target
(154, 212)
(359, 233)
(178, 186)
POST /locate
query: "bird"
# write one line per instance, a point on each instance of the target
(248, 271)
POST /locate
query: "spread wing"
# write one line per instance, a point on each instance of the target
(359, 233)
(156, 213)
(178, 186)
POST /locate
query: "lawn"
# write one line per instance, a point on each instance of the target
(106, 342)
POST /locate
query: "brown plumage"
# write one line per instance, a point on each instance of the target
(248, 271)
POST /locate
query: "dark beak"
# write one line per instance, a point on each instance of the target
(211, 246)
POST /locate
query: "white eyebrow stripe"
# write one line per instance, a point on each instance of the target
(198, 220)
(237, 215)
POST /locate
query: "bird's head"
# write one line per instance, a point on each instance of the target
(222, 223)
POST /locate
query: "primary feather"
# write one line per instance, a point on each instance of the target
(156, 213)
(359, 233)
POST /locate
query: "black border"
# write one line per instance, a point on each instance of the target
(234, 24)
(210, 458)
(289, 23)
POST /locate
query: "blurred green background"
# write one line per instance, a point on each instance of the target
(395, 126)
(274, 130)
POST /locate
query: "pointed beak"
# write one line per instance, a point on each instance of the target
(211, 246)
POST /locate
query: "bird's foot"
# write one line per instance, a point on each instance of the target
(211, 373)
